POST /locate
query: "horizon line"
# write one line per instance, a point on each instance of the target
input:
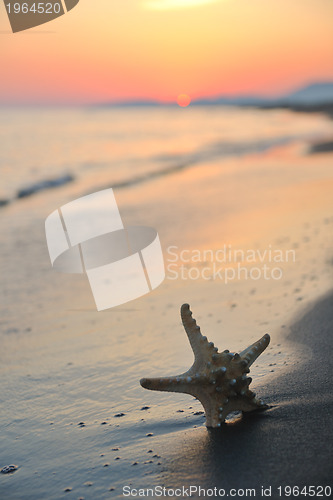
(197, 101)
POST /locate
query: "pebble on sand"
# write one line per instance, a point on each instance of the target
(8, 469)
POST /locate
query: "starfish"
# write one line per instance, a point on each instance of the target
(217, 379)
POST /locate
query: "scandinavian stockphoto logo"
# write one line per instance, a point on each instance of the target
(28, 14)
(87, 235)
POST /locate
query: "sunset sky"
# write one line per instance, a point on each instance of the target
(109, 50)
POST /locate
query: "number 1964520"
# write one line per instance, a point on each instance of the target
(35, 8)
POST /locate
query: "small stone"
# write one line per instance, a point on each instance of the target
(12, 330)
(66, 490)
(145, 408)
(119, 415)
(8, 469)
(149, 434)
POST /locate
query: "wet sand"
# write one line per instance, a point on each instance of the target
(289, 444)
(73, 415)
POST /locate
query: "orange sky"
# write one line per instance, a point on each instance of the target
(157, 49)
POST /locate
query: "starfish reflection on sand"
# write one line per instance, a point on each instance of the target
(218, 380)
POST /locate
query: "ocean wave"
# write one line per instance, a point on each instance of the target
(214, 151)
(37, 187)
(169, 164)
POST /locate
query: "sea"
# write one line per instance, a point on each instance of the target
(42, 148)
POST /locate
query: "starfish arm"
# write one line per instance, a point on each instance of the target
(251, 353)
(200, 345)
(169, 384)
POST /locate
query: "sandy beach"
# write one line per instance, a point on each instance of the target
(74, 418)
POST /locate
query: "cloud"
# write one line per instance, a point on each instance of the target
(175, 4)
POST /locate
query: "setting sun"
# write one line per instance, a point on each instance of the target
(183, 100)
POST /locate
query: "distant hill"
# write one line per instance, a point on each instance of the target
(127, 104)
(314, 97)
(316, 94)
(231, 101)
